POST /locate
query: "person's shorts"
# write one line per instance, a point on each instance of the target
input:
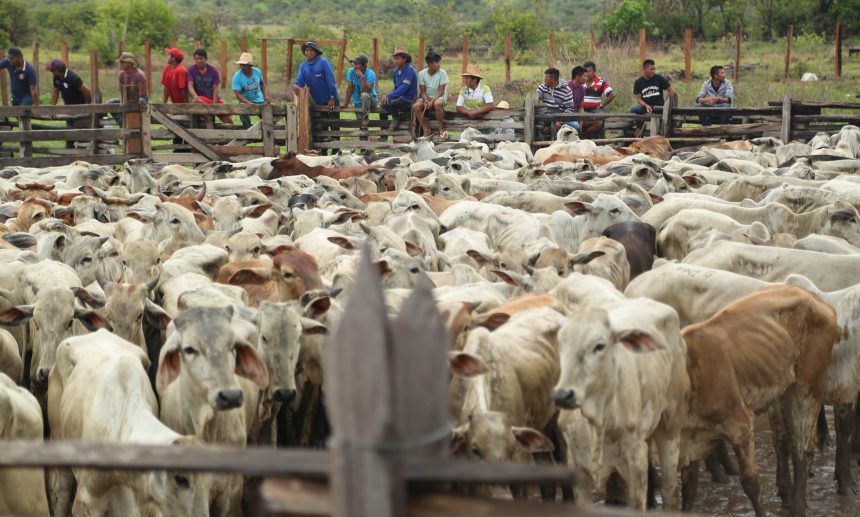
(443, 99)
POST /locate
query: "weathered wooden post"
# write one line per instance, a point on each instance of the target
(375, 57)
(641, 47)
(94, 75)
(340, 61)
(507, 58)
(788, 52)
(147, 62)
(551, 49)
(64, 53)
(420, 57)
(688, 55)
(264, 60)
(785, 132)
(529, 119)
(131, 119)
(379, 420)
(244, 43)
(267, 127)
(122, 47)
(290, 43)
(197, 44)
(593, 41)
(465, 58)
(291, 127)
(222, 58)
(303, 120)
(4, 86)
(35, 61)
(837, 44)
(738, 37)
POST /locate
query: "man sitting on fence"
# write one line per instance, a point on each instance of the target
(432, 94)
(248, 85)
(717, 92)
(73, 90)
(648, 89)
(475, 99)
(175, 77)
(594, 102)
(361, 89)
(129, 75)
(22, 77)
(557, 97)
(203, 83)
(399, 101)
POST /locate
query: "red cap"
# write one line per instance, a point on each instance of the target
(175, 52)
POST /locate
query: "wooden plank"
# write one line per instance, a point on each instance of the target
(593, 116)
(739, 34)
(837, 49)
(71, 110)
(255, 133)
(290, 43)
(34, 60)
(131, 119)
(183, 133)
(145, 131)
(197, 44)
(233, 150)
(375, 57)
(696, 111)
(292, 136)
(222, 59)
(94, 75)
(53, 161)
(210, 109)
(340, 62)
(64, 53)
(147, 63)
(666, 116)
(245, 138)
(4, 85)
(785, 133)
(359, 403)
(26, 147)
(722, 129)
(465, 57)
(529, 119)
(790, 35)
(244, 43)
(65, 134)
(264, 60)
(846, 119)
(688, 55)
(422, 64)
(551, 49)
(797, 105)
(508, 57)
(641, 47)
(303, 119)
(267, 125)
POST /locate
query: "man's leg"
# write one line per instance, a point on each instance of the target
(638, 109)
(418, 113)
(439, 105)
(115, 116)
(724, 119)
(705, 121)
(366, 105)
(246, 121)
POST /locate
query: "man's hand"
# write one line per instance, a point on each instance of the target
(331, 104)
(383, 101)
(296, 89)
(359, 73)
(345, 103)
(267, 99)
(648, 108)
(195, 98)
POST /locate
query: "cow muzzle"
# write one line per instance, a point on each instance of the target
(42, 376)
(564, 398)
(284, 395)
(229, 399)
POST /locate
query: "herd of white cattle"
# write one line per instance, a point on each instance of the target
(619, 310)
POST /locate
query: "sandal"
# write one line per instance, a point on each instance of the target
(443, 136)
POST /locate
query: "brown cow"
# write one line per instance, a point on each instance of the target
(768, 349)
(31, 212)
(656, 146)
(594, 161)
(33, 190)
(501, 314)
(290, 274)
(290, 165)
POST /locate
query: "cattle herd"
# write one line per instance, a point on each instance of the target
(626, 312)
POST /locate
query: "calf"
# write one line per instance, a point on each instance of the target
(640, 244)
(290, 165)
(286, 277)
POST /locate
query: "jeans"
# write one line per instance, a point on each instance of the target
(366, 104)
(26, 100)
(638, 109)
(721, 119)
(574, 124)
(118, 116)
(396, 107)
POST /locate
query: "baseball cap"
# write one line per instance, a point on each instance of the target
(361, 59)
(56, 64)
(175, 52)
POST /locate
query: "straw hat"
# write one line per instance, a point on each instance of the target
(503, 105)
(312, 44)
(245, 59)
(400, 51)
(127, 57)
(472, 71)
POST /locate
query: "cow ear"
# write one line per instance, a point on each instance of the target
(578, 207)
(65, 214)
(16, 315)
(312, 327)
(343, 242)
(509, 277)
(844, 214)
(256, 211)
(655, 198)
(639, 341)
(91, 320)
(21, 240)
(169, 365)
(249, 365)
(532, 440)
(586, 257)
(254, 276)
(478, 257)
(155, 315)
(318, 306)
(466, 365)
(93, 300)
(419, 189)
(494, 321)
(139, 217)
(282, 248)
(458, 439)
(413, 249)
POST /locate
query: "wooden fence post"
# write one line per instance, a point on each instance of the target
(507, 58)
(244, 43)
(688, 55)
(131, 119)
(147, 62)
(551, 49)
(94, 75)
(341, 61)
(529, 119)
(785, 132)
(290, 43)
(264, 60)
(303, 120)
(666, 123)
(25, 124)
(64, 53)
(197, 44)
(292, 133)
(267, 126)
(145, 132)
(4, 87)
(376, 57)
(223, 62)
(738, 37)
(172, 43)
(788, 52)
(122, 47)
(837, 44)
(34, 60)
(465, 59)
(641, 47)
(421, 63)
(593, 41)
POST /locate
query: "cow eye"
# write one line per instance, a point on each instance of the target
(343, 196)
(72, 322)
(181, 480)
(615, 211)
(445, 189)
(189, 350)
(174, 221)
(414, 270)
(599, 346)
(256, 251)
(287, 274)
(86, 260)
(477, 452)
(414, 207)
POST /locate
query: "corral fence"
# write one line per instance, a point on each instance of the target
(179, 133)
(386, 390)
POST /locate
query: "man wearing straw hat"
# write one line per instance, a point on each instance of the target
(317, 74)
(129, 75)
(248, 85)
(405, 78)
(475, 99)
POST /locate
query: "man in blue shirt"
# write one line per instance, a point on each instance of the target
(405, 87)
(317, 74)
(361, 88)
(22, 77)
(248, 85)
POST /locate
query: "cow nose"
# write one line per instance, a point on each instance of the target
(42, 375)
(285, 395)
(564, 398)
(229, 399)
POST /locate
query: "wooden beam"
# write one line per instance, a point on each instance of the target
(738, 37)
(290, 44)
(64, 53)
(593, 41)
(122, 47)
(688, 55)
(47, 135)
(35, 62)
(223, 62)
(375, 57)
(788, 52)
(267, 124)
(131, 120)
(551, 49)
(26, 147)
(837, 44)
(303, 120)
(244, 43)
(145, 131)
(641, 47)
(147, 63)
(183, 133)
(292, 136)
(421, 63)
(94, 75)
(508, 58)
(4, 85)
(46, 112)
(529, 119)
(340, 62)
(785, 133)
(465, 58)
(264, 60)
(54, 161)
(197, 44)
(666, 122)
(179, 158)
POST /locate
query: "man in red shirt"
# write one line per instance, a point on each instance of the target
(175, 77)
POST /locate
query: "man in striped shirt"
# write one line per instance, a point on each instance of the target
(595, 90)
(556, 96)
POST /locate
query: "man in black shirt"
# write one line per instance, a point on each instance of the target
(68, 84)
(648, 89)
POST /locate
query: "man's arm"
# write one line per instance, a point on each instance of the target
(403, 87)
(366, 85)
(348, 95)
(440, 93)
(300, 79)
(702, 92)
(193, 92)
(609, 98)
(480, 112)
(263, 90)
(34, 88)
(642, 102)
(55, 94)
(241, 98)
(88, 95)
(730, 92)
(332, 85)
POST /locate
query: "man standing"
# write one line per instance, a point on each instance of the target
(556, 96)
(22, 77)
(361, 88)
(203, 83)
(129, 75)
(648, 89)
(248, 85)
(67, 84)
(175, 77)
(432, 94)
(595, 90)
(716, 93)
(475, 99)
(318, 75)
(405, 87)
